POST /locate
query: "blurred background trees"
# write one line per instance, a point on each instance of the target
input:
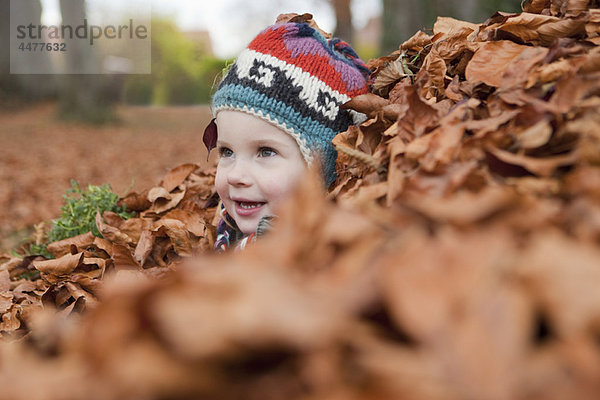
(24, 87)
(402, 18)
(184, 69)
(343, 20)
(81, 96)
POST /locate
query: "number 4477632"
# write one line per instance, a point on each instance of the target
(41, 46)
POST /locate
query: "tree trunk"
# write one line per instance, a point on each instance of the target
(8, 84)
(400, 20)
(22, 85)
(4, 38)
(82, 96)
(343, 17)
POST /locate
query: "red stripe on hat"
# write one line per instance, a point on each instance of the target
(271, 42)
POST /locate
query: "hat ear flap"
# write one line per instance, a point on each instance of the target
(210, 136)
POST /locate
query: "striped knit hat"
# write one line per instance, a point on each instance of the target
(294, 78)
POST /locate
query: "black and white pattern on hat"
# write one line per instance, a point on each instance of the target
(262, 73)
(328, 105)
(284, 89)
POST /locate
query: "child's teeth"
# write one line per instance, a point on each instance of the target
(249, 205)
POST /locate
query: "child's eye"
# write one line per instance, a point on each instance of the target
(225, 152)
(266, 152)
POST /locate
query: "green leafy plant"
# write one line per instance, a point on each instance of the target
(79, 214)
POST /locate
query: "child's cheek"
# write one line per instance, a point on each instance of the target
(282, 185)
(221, 183)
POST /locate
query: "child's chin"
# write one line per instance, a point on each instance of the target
(248, 227)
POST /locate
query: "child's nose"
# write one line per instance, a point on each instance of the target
(239, 174)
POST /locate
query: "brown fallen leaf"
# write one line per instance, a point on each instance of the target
(133, 227)
(6, 301)
(306, 17)
(158, 193)
(552, 72)
(62, 247)
(535, 136)
(434, 67)
(177, 233)
(111, 233)
(443, 147)
(192, 221)
(450, 26)
(135, 201)
(491, 60)
(418, 41)
(464, 208)
(77, 292)
(4, 280)
(144, 247)
(162, 250)
(103, 244)
(589, 137)
(29, 291)
(113, 219)
(483, 127)
(10, 319)
(592, 60)
(420, 116)
(520, 67)
(544, 167)
(123, 258)
(93, 267)
(367, 194)
(365, 103)
(466, 175)
(60, 266)
(163, 201)
(535, 6)
(176, 176)
(540, 29)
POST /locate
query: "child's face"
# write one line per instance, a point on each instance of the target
(259, 165)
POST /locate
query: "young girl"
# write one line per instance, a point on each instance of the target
(276, 111)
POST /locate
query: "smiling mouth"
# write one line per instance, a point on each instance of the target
(249, 205)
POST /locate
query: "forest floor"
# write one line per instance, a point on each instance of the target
(40, 154)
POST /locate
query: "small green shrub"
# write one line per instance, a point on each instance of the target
(79, 214)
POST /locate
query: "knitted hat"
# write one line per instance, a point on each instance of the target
(294, 78)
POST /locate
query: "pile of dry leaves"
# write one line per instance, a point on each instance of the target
(40, 154)
(456, 257)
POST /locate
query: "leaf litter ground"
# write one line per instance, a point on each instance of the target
(455, 257)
